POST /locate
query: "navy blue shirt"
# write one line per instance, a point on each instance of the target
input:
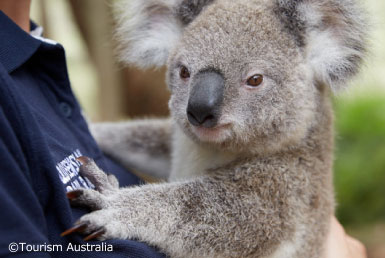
(42, 131)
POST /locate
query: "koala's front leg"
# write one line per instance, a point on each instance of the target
(144, 213)
(140, 144)
(213, 216)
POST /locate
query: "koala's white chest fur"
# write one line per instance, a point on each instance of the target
(190, 160)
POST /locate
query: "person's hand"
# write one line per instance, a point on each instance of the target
(340, 245)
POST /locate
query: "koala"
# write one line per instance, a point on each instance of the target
(246, 157)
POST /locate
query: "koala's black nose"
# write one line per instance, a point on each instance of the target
(206, 96)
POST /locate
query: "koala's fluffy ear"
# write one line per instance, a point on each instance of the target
(148, 29)
(333, 33)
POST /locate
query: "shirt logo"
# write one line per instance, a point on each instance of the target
(68, 170)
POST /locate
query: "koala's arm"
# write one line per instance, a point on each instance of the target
(140, 144)
(219, 215)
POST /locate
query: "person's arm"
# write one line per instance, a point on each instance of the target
(21, 215)
(341, 245)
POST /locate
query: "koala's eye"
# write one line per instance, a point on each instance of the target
(255, 80)
(184, 73)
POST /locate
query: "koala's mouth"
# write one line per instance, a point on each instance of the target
(216, 134)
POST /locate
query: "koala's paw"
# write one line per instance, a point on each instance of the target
(105, 186)
(101, 180)
(102, 224)
(88, 198)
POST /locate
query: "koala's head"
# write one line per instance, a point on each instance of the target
(246, 74)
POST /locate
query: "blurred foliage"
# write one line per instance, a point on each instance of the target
(360, 164)
(359, 167)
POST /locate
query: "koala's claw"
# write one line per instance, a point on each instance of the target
(81, 228)
(74, 194)
(95, 234)
(84, 160)
(77, 228)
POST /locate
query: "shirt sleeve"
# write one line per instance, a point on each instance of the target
(22, 219)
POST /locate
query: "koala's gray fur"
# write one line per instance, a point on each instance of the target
(189, 9)
(261, 184)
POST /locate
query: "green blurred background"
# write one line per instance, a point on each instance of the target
(108, 91)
